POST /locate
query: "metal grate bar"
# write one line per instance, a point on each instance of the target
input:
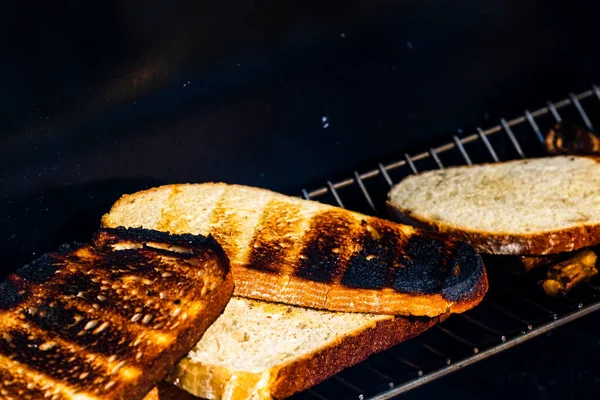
(385, 175)
(335, 194)
(468, 139)
(462, 150)
(458, 338)
(512, 137)
(348, 384)
(596, 90)
(508, 313)
(554, 112)
(484, 327)
(436, 158)
(379, 373)
(411, 164)
(535, 126)
(305, 194)
(525, 299)
(317, 394)
(405, 361)
(364, 191)
(581, 111)
(434, 351)
(488, 145)
(487, 353)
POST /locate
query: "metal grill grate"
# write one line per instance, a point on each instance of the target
(515, 308)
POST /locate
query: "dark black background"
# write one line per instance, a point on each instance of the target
(98, 98)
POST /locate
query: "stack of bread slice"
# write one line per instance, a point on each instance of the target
(317, 288)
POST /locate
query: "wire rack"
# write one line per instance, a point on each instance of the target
(515, 308)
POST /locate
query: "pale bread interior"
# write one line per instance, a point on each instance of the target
(518, 197)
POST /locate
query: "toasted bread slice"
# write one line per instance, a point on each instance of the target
(525, 207)
(304, 253)
(261, 350)
(108, 321)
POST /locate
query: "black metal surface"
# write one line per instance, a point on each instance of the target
(514, 310)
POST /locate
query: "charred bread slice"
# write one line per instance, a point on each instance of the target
(304, 253)
(108, 320)
(524, 207)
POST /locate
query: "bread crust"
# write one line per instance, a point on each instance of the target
(350, 350)
(549, 242)
(282, 270)
(281, 381)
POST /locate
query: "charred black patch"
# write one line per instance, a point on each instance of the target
(365, 274)
(107, 236)
(43, 355)
(70, 324)
(423, 269)
(465, 271)
(9, 295)
(425, 251)
(78, 283)
(66, 248)
(320, 259)
(39, 270)
(274, 237)
(418, 278)
(369, 267)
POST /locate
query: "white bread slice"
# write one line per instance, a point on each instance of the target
(525, 207)
(305, 253)
(261, 350)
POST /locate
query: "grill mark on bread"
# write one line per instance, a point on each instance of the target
(54, 361)
(274, 237)
(104, 333)
(58, 335)
(325, 245)
(225, 226)
(375, 258)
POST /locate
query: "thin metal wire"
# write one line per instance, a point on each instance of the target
(388, 394)
(335, 194)
(488, 145)
(534, 126)
(435, 351)
(436, 158)
(348, 384)
(533, 303)
(385, 175)
(512, 137)
(467, 139)
(502, 310)
(554, 112)
(596, 90)
(459, 338)
(364, 191)
(581, 111)
(484, 326)
(462, 150)
(411, 164)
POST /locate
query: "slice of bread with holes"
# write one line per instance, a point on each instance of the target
(305, 253)
(261, 350)
(108, 320)
(524, 207)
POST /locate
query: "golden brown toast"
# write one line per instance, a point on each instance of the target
(304, 253)
(108, 320)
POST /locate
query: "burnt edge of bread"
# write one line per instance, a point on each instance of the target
(51, 319)
(141, 235)
(425, 263)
